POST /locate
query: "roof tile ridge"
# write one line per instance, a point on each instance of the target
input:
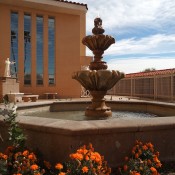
(71, 2)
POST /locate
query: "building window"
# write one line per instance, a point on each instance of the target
(27, 49)
(39, 50)
(51, 50)
(14, 44)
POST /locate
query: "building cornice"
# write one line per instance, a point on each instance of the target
(59, 6)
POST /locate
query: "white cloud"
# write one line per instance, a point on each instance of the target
(153, 20)
(121, 14)
(133, 65)
(155, 44)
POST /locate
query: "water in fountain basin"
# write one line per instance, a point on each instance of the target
(79, 115)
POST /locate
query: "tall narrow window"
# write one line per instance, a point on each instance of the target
(51, 50)
(14, 44)
(39, 50)
(27, 49)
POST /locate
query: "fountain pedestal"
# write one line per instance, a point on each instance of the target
(98, 80)
(98, 108)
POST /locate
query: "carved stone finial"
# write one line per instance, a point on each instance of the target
(98, 29)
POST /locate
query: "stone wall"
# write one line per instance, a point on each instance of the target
(8, 85)
(114, 139)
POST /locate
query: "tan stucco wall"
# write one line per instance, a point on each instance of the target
(82, 33)
(70, 29)
(4, 37)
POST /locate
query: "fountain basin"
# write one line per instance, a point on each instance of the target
(56, 139)
(98, 82)
(98, 42)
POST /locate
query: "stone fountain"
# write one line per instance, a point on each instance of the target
(98, 80)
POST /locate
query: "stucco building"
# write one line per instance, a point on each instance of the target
(43, 38)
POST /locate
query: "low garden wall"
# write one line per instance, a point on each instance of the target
(114, 139)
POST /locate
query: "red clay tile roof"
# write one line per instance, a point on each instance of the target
(77, 3)
(151, 73)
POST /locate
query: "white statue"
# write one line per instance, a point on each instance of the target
(7, 68)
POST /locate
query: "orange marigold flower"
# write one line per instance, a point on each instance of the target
(92, 156)
(85, 169)
(150, 145)
(156, 160)
(25, 153)
(82, 151)
(97, 157)
(34, 167)
(72, 156)
(79, 156)
(32, 156)
(76, 156)
(86, 157)
(136, 155)
(153, 170)
(62, 173)
(144, 147)
(4, 156)
(137, 174)
(158, 165)
(134, 173)
(59, 166)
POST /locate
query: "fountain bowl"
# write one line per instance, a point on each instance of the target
(113, 139)
(98, 42)
(98, 82)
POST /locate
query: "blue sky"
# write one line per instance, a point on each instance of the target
(144, 31)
